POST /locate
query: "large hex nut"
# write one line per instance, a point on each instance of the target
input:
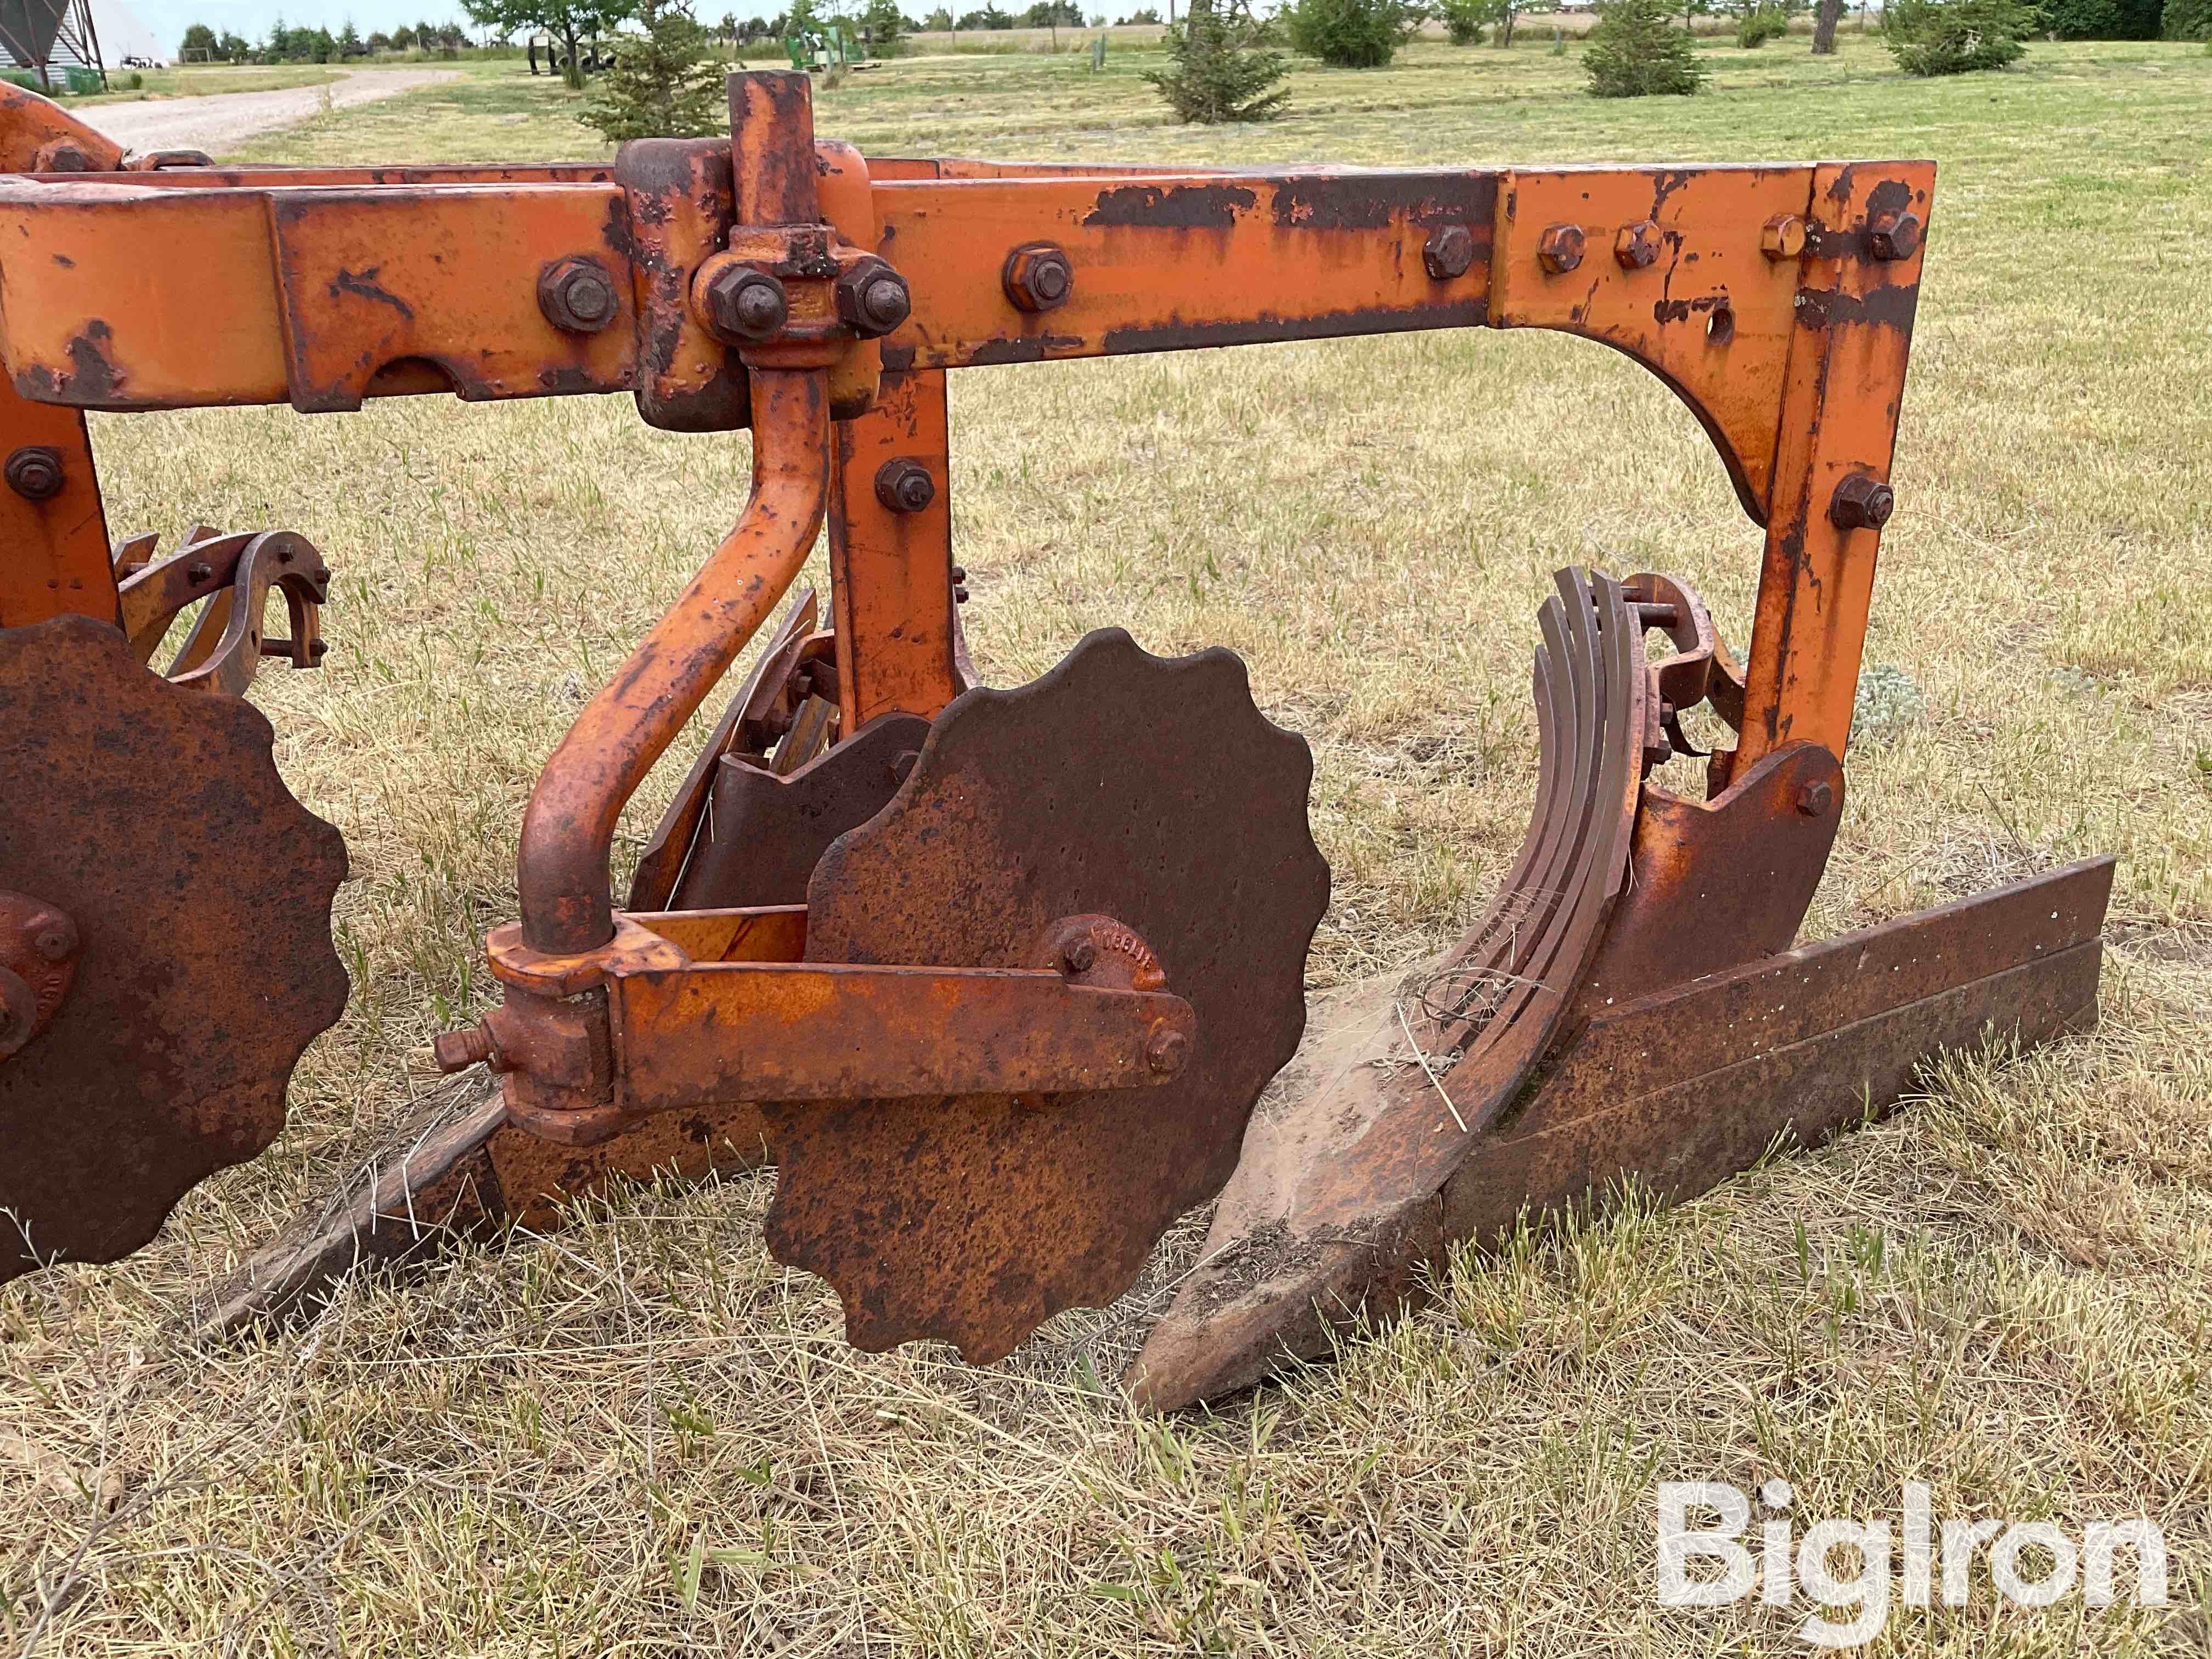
(1559, 249)
(1893, 235)
(1781, 237)
(744, 306)
(1861, 502)
(903, 485)
(1637, 246)
(1039, 276)
(1448, 254)
(873, 299)
(578, 296)
(35, 473)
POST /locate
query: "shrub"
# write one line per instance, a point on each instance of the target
(2100, 20)
(1221, 71)
(1349, 33)
(2188, 20)
(1952, 37)
(1635, 51)
(661, 84)
(1760, 24)
(1463, 20)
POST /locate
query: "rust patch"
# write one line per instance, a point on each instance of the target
(1176, 207)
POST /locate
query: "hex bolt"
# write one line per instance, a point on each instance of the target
(1559, 249)
(1637, 246)
(1813, 799)
(873, 299)
(577, 296)
(456, 1051)
(199, 573)
(1781, 237)
(1167, 1050)
(1078, 956)
(34, 472)
(55, 939)
(904, 486)
(1039, 276)
(744, 306)
(1893, 235)
(1862, 502)
(1448, 254)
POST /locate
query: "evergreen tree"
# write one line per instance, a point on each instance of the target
(1222, 71)
(1951, 37)
(663, 84)
(1635, 51)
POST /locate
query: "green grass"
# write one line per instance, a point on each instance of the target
(186, 81)
(643, 1436)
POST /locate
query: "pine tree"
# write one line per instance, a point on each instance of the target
(1636, 51)
(1222, 72)
(663, 84)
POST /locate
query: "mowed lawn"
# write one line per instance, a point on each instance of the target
(640, 1436)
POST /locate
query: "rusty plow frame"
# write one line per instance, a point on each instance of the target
(998, 1001)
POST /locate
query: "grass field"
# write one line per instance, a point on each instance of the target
(640, 1436)
(206, 81)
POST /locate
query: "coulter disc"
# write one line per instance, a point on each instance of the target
(152, 816)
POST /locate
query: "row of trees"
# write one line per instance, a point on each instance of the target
(285, 45)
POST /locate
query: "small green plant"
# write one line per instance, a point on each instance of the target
(1221, 69)
(1349, 33)
(662, 84)
(1760, 24)
(1635, 51)
(1464, 21)
(1954, 37)
(134, 82)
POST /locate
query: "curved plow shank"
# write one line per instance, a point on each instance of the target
(1338, 1187)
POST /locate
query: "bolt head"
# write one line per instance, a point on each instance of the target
(871, 298)
(1079, 955)
(35, 473)
(1893, 235)
(905, 486)
(744, 306)
(1039, 276)
(1816, 799)
(1448, 254)
(1559, 249)
(1167, 1051)
(1781, 237)
(578, 296)
(199, 573)
(1862, 502)
(1636, 246)
(55, 939)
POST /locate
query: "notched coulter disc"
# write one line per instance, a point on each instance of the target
(1119, 784)
(201, 890)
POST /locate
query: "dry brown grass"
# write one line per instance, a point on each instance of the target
(641, 1436)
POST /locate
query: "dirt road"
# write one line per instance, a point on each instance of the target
(217, 121)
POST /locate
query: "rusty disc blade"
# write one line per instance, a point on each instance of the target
(201, 890)
(1119, 784)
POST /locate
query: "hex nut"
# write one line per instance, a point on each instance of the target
(1637, 246)
(1813, 799)
(873, 299)
(36, 472)
(1039, 276)
(578, 296)
(1893, 235)
(1781, 237)
(904, 486)
(1559, 249)
(744, 306)
(1448, 254)
(1167, 1051)
(1861, 502)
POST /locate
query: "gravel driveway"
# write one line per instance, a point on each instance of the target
(218, 120)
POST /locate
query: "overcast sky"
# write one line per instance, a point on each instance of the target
(168, 19)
